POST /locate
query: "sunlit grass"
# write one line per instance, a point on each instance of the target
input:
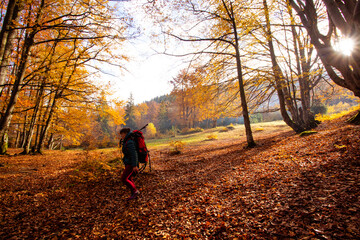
(202, 137)
(328, 117)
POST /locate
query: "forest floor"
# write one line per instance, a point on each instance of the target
(288, 187)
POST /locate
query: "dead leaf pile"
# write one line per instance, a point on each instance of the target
(288, 187)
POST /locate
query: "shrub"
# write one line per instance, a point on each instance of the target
(91, 169)
(223, 129)
(316, 109)
(185, 131)
(338, 108)
(176, 147)
(173, 131)
(95, 164)
(191, 130)
(321, 118)
(259, 129)
(230, 127)
(198, 129)
(151, 130)
(212, 136)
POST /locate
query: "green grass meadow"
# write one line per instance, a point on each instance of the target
(202, 137)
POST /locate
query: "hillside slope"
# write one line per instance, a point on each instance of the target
(287, 187)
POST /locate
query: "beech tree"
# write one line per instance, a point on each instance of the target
(200, 96)
(140, 112)
(51, 53)
(184, 90)
(164, 116)
(222, 39)
(343, 21)
(283, 62)
(301, 118)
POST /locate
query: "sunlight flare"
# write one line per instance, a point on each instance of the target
(344, 46)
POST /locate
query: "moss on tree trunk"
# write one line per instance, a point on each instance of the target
(4, 144)
(355, 119)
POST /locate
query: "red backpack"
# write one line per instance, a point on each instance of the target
(141, 149)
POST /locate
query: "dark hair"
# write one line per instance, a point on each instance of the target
(125, 130)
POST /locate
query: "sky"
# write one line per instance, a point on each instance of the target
(147, 73)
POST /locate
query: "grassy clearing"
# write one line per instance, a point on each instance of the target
(202, 137)
(218, 133)
(332, 116)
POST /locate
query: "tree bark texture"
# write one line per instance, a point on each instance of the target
(284, 97)
(344, 16)
(245, 110)
(34, 116)
(25, 55)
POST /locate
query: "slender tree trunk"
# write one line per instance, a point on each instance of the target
(334, 63)
(245, 111)
(38, 129)
(6, 30)
(47, 125)
(279, 77)
(23, 131)
(58, 93)
(6, 118)
(51, 142)
(43, 125)
(303, 69)
(7, 36)
(28, 43)
(61, 142)
(4, 143)
(16, 143)
(214, 125)
(33, 119)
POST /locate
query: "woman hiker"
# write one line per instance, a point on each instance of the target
(130, 161)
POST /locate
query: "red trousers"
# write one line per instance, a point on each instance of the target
(127, 178)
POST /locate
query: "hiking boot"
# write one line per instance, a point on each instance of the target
(134, 195)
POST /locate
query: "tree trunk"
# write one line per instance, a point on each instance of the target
(279, 77)
(7, 35)
(38, 129)
(28, 43)
(33, 119)
(334, 62)
(23, 132)
(355, 119)
(47, 125)
(51, 142)
(6, 30)
(18, 135)
(214, 123)
(6, 118)
(303, 71)
(245, 111)
(4, 143)
(58, 93)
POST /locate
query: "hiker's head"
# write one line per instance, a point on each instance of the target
(124, 132)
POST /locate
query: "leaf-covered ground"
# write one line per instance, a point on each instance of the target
(288, 187)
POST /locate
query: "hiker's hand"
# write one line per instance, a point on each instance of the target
(135, 169)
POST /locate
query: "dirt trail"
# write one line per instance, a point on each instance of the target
(287, 187)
